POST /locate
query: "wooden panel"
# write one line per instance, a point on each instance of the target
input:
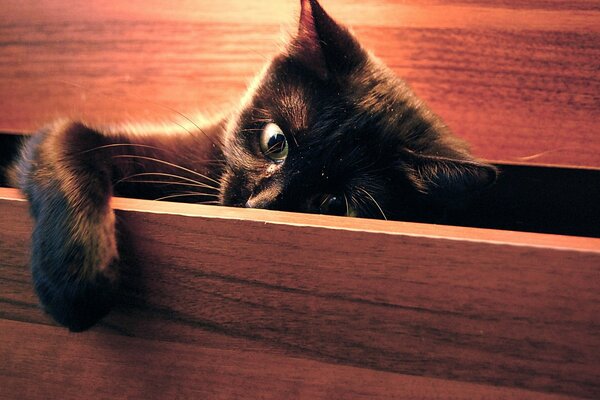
(518, 79)
(506, 309)
(96, 365)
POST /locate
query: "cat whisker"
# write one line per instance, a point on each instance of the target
(148, 102)
(544, 153)
(251, 130)
(169, 164)
(220, 144)
(206, 161)
(374, 201)
(171, 183)
(347, 205)
(175, 196)
(259, 54)
(294, 137)
(195, 193)
(108, 146)
(193, 181)
(271, 149)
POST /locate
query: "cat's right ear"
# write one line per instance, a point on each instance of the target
(322, 45)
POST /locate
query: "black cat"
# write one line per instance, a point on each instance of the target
(326, 128)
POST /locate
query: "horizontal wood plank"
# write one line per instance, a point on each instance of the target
(517, 79)
(506, 309)
(97, 365)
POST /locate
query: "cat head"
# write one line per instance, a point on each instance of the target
(328, 128)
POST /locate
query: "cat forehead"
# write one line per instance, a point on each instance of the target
(292, 104)
(372, 98)
(293, 94)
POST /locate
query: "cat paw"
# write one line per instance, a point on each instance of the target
(74, 265)
(74, 252)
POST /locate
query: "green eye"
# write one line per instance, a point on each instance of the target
(273, 143)
(336, 205)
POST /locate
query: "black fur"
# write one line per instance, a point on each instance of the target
(73, 300)
(355, 131)
(360, 143)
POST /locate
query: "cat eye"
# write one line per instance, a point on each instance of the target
(273, 143)
(336, 205)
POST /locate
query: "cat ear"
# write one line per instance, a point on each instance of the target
(444, 180)
(322, 45)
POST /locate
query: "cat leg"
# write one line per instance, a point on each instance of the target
(74, 252)
(67, 174)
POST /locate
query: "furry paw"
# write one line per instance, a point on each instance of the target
(74, 251)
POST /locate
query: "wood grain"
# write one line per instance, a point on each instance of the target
(517, 79)
(98, 365)
(510, 310)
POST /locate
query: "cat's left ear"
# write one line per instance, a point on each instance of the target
(322, 45)
(445, 180)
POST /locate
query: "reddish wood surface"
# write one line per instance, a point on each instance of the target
(86, 365)
(517, 79)
(284, 301)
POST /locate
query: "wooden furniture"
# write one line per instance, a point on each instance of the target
(232, 303)
(341, 307)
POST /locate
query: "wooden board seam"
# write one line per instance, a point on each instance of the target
(474, 235)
